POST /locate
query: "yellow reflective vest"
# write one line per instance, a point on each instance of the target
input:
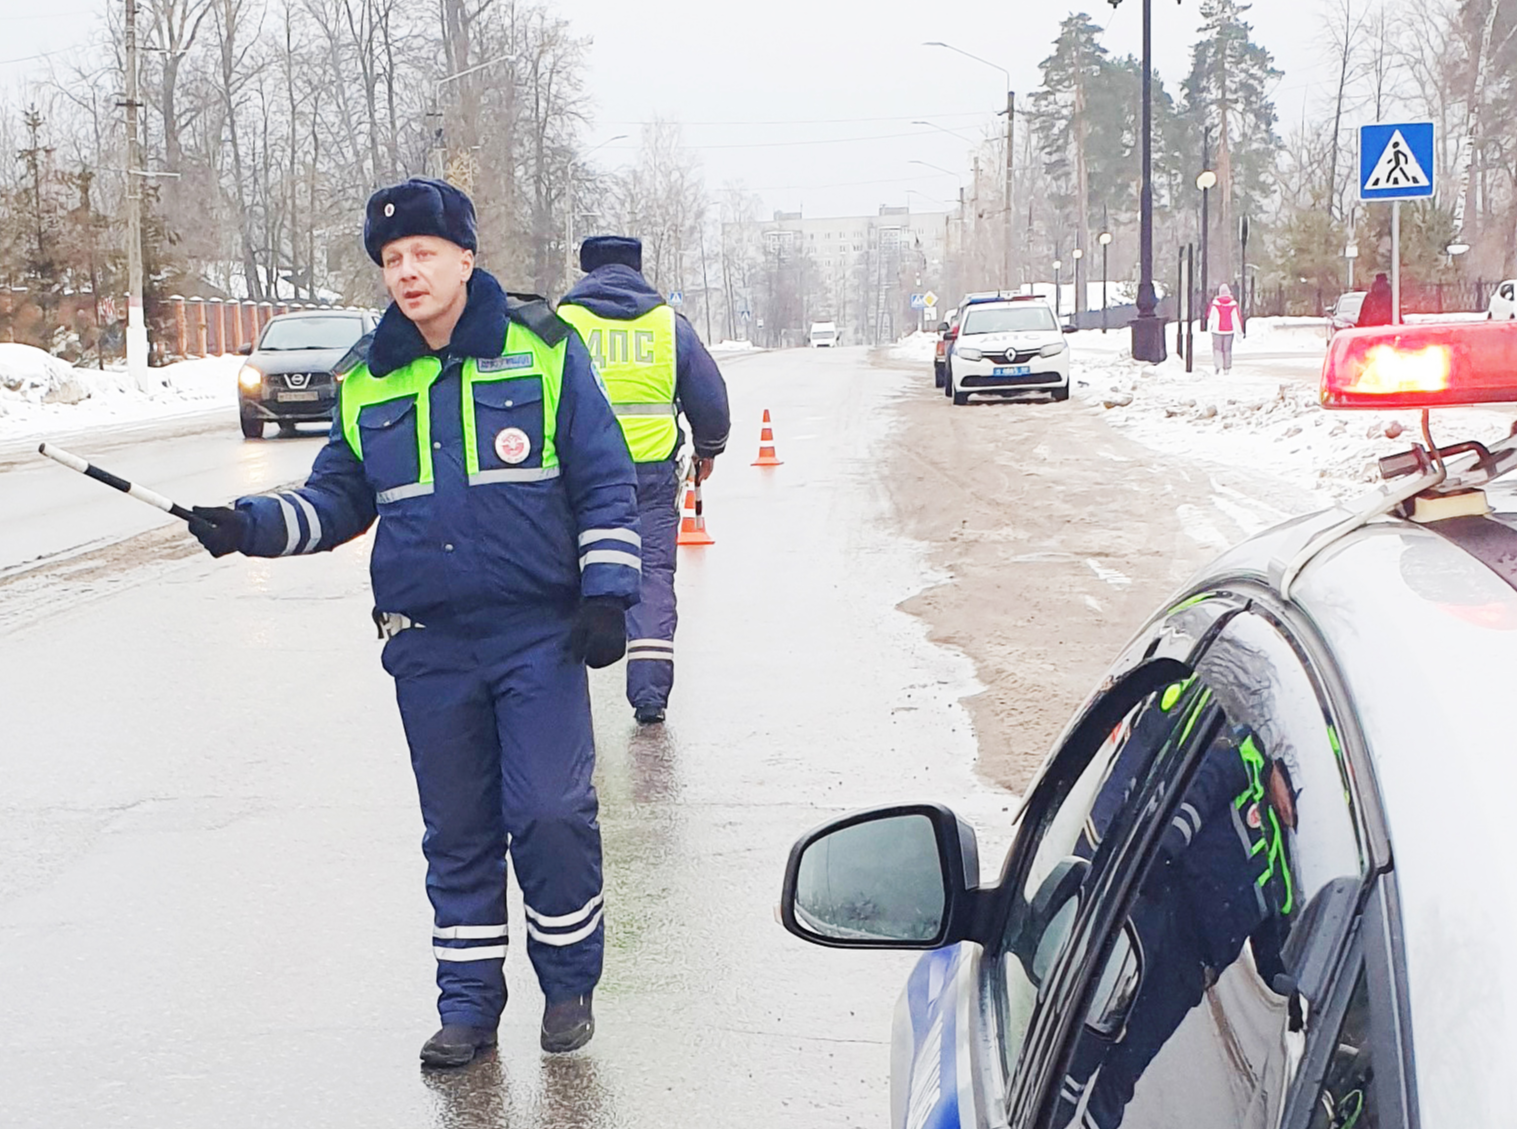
(635, 359)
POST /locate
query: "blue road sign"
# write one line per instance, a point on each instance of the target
(745, 315)
(1396, 161)
(918, 301)
(676, 297)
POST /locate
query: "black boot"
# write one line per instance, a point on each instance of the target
(649, 714)
(456, 1045)
(567, 1024)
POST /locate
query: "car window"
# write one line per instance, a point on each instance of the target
(1029, 318)
(311, 333)
(1072, 851)
(1242, 902)
(1346, 1098)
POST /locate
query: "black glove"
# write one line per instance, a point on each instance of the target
(219, 528)
(599, 635)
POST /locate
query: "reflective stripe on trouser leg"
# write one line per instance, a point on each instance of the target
(650, 676)
(542, 712)
(455, 752)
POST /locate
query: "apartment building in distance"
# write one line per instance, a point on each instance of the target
(856, 271)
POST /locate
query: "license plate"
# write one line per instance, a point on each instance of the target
(299, 397)
(1012, 370)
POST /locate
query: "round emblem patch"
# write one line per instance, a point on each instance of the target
(512, 445)
(1255, 819)
(389, 209)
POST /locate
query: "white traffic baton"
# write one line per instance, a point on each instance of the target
(141, 493)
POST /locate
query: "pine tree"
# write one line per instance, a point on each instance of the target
(1227, 95)
(1076, 90)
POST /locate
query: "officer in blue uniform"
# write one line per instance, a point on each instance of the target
(472, 426)
(1223, 878)
(654, 366)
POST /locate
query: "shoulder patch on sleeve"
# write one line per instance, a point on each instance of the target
(357, 355)
(534, 312)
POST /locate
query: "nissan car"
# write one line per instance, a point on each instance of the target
(288, 376)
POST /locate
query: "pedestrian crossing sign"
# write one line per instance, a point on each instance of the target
(1396, 161)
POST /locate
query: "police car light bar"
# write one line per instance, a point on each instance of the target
(1421, 366)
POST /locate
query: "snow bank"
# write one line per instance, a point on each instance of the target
(915, 348)
(1252, 420)
(40, 395)
(731, 347)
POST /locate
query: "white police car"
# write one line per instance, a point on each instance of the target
(1007, 347)
(1265, 876)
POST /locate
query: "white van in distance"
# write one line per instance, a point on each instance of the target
(824, 335)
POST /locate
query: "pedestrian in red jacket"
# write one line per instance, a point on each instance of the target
(1223, 320)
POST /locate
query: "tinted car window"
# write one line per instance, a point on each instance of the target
(1238, 901)
(311, 333)
(1346, 1099)
(1069, 856)
(1029, 318)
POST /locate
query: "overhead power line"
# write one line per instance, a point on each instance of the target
(796, 121)
(791, 144)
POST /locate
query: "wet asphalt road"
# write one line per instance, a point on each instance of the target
(196, 459)
(211, 902)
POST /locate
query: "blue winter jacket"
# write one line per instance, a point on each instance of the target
(464, 549)
(618, 291)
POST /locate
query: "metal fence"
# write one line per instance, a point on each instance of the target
(1308, 300)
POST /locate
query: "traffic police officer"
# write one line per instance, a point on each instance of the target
(654, 365)
(473, 427)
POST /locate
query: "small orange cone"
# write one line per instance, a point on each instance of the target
(766, 445)
(692, 526)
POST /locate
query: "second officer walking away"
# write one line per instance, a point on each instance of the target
(654, 366)
(472, 426)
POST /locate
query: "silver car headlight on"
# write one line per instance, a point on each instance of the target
(1052, 350)
(969, 354)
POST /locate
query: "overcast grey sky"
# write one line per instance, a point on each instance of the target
(809, 102)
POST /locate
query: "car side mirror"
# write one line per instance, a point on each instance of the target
(245, 349)
(900, 877)
(942, 327)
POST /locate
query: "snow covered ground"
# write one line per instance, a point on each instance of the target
(42, 395)
(1266, 414)
(1264, 418)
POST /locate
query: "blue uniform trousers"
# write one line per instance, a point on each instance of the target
(651, 621)
(497, 715)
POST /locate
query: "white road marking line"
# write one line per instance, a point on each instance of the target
(1199, 527)
(1094, 605)
(1110, 575)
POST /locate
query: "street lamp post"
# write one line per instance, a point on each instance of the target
(1205, 181)
(1105, 240)
(439, 149)
(1010, 112)
(1147, 328)
(569, 218)
(1058, 288)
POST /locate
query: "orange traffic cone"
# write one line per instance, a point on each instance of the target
(692, 525)
(766, 445)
